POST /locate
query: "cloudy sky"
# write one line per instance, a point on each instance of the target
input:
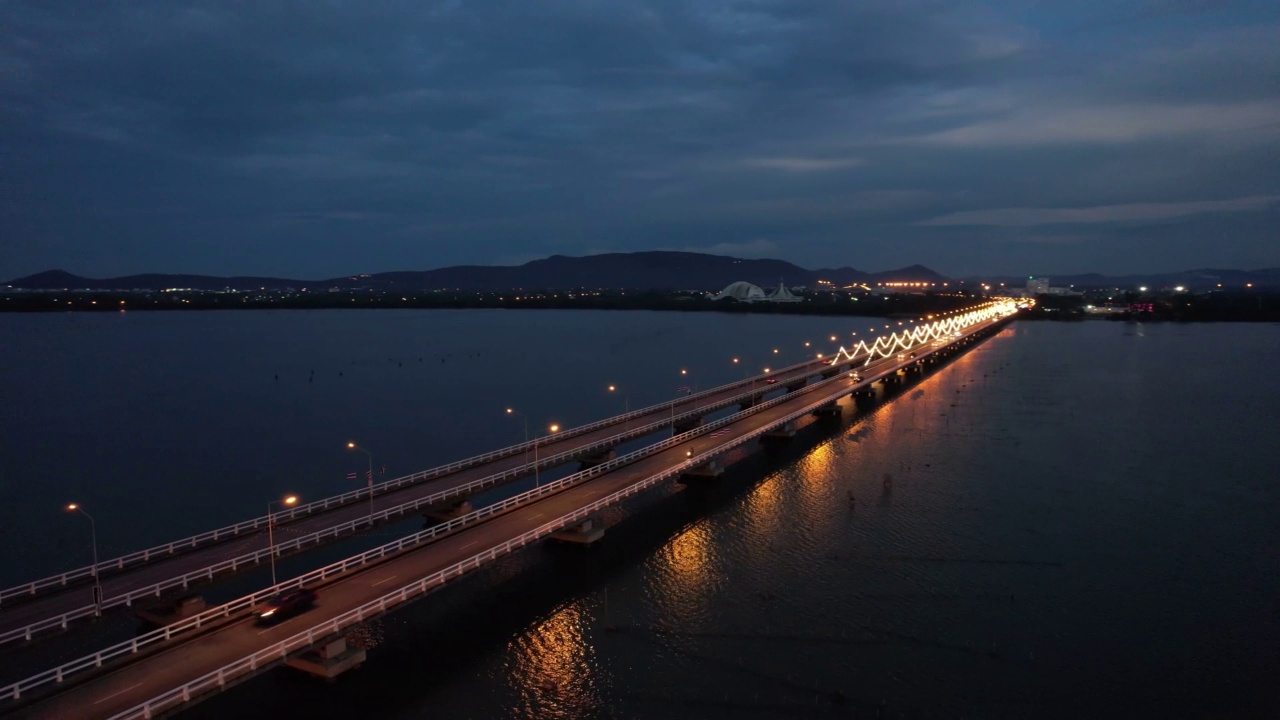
(320, 137)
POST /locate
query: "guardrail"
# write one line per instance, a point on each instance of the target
(231, 565)
(308, 638)
(218, 678)
(254, 524)
(96, 660)
(27, 632)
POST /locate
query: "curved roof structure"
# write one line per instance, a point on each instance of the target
(783, 294)
(741, 291)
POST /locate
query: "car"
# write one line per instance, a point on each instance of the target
(771, 381)
(286, 604)
(855, 377)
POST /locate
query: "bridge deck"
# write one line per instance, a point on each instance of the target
(49, 607)
(186, 659)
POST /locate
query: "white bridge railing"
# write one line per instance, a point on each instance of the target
(202, 619)
(254, 557)
(303, 640)
(142, 556)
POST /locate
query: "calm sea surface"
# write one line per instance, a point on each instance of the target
(1070, 519)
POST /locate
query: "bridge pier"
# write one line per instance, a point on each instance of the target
(707, 471)
(831, 409)
(797, 385)
(785, 431)
(445, 513)
(586, 533)
(329, 660)
(597, 458)
(748, 403)
(177, 609)
(686, 425)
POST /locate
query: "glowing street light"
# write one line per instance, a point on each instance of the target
(287, 501)
(626, 407)
(369, 477)
(93, 537)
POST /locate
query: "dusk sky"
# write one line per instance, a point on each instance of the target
(315, 138)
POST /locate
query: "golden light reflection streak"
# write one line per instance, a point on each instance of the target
(555, 655)
(690, 579)
(886, 345)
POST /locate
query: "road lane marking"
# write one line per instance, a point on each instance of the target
(118, 692)
(537, 515)
(384, 580)
(473, 542)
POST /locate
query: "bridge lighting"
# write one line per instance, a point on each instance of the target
(735, 360)
(368, 478)
(611, 389)
(775, 351)
(271, 522)
(93, 538)
(1179, 289)
(833, 338)
(1142, 289)
(806, 343)
(554, 428)
(684, 372)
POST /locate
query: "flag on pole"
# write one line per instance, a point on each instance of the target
(351, 476)
(684, 389)
(369, 473)
(384, 469)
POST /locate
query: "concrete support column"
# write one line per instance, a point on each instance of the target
(785, 431)
(587, 532)
(597, 458)
(686, 425)
(831, 409)
(447, 512)
(707, 471)
(329, 660)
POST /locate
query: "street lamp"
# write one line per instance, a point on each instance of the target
(626, 407)
(271, 538)
(93, 536)
(553, 429)
(353, 446)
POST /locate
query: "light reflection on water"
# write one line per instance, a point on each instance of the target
(1077, 522)
(553, 667)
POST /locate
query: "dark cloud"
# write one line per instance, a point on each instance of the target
(318, 138)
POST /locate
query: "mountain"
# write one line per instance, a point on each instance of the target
(659, 270)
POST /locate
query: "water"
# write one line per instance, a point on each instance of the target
(1077, 518)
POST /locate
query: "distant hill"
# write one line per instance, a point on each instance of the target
(658, 270)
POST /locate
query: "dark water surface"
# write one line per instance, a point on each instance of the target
(1079, 518)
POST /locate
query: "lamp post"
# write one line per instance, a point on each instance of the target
(552, 429)
(271, 538)
(626, 408)
(353, 446)
(93, 537)
(525, 420)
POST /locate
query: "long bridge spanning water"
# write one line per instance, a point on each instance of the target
(214, 648)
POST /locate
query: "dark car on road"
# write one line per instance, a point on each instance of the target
(286, 604)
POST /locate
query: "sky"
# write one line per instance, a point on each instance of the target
(319, 138)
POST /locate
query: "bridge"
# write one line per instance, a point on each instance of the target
(213, 649)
